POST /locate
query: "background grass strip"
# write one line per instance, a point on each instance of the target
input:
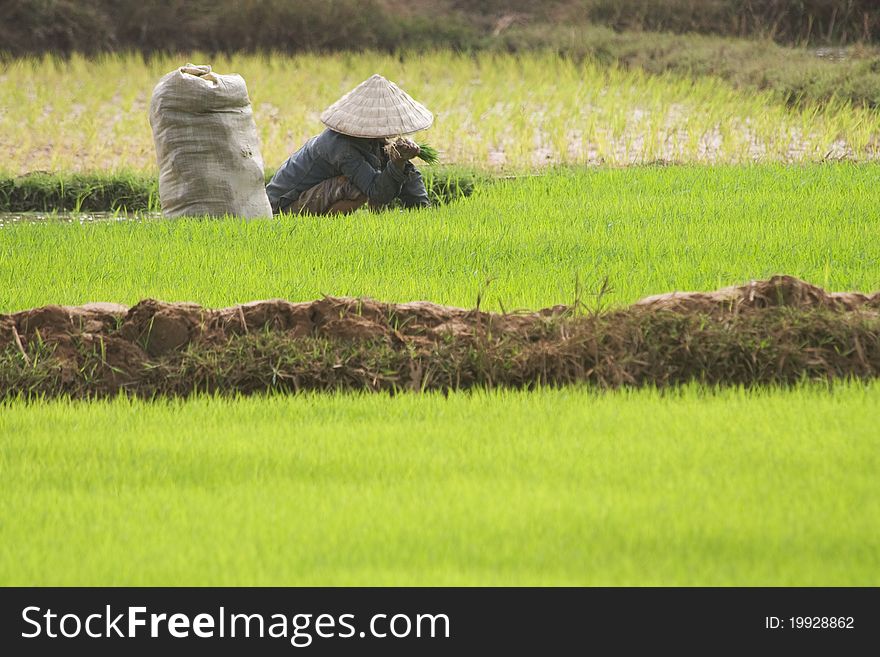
(125, 191)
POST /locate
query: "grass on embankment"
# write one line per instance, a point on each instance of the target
(552, 487)
(155, 349)
(78, 192)
(539, 241)
(139, 192)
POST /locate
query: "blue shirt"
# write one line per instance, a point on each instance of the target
(361, 160)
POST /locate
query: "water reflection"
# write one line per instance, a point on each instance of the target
(10, 218)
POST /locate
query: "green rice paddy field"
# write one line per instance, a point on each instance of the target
(691, 487)
(538, 240)
(560, 487)
(495, 112)
(556, 487)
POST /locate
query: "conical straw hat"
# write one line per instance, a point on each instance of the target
(377, 108)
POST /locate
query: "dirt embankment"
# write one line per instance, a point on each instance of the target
(777, 331)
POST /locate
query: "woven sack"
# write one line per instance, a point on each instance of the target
(207, 145)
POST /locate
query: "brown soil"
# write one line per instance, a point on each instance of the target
(778, 330)
(778, 291)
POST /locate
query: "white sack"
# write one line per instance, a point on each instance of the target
(207, 145)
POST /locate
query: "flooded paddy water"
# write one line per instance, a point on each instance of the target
(498, 113)
(15, 218)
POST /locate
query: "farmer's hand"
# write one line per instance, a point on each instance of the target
(402, 150)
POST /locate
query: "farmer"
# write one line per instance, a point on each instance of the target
(350, 163)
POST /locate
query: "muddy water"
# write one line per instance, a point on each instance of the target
(12, 218)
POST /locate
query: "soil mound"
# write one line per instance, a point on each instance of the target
(773, 331)
(775, 292)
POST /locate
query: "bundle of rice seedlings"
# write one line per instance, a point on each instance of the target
(427, 153)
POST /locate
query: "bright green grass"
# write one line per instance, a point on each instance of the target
(649, 230)
(549, 487)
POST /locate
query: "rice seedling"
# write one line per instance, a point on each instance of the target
(428, 154)
(493, 111)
